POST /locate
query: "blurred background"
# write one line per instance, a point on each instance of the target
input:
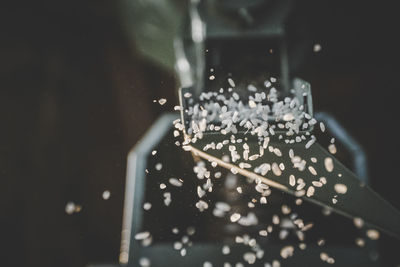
(75, 96)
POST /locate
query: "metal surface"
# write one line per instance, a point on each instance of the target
(208, 29)
(134, 193)
(151, 26)
(212, 232)
(163, 255)
(359, 201)
(359, 156)
(244, 35)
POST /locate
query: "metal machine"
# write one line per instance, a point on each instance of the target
(245, 40)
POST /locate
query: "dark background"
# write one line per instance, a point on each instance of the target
(75, 97)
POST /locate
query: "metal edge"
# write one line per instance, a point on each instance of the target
(142, 148)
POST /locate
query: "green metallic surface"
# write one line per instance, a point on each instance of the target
(152, 25)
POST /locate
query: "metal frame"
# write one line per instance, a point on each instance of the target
(136, 165)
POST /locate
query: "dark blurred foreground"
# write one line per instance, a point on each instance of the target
(74, 99)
